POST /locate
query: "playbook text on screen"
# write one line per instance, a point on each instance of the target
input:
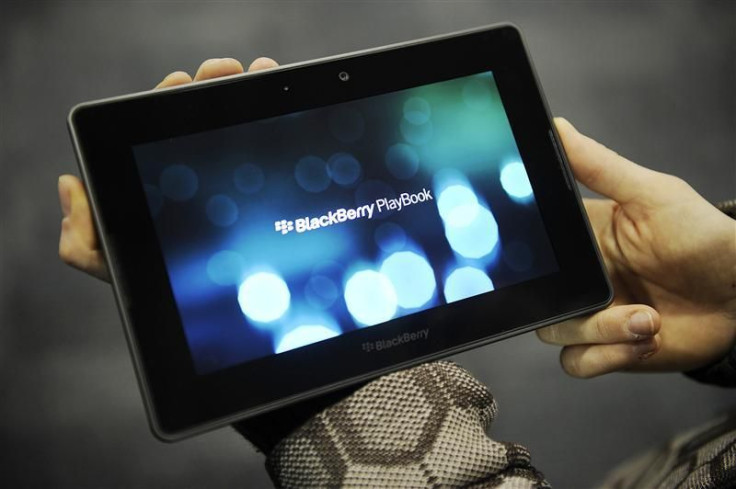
(338, 216)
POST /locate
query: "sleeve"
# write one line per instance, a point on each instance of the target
(722, 372)
(422, 427)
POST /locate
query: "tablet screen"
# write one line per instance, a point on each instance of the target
(287, 231)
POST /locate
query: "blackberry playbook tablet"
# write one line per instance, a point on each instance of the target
(276, 235)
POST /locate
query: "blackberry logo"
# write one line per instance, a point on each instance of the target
(339, 216)
(401, 339)
(284, 226)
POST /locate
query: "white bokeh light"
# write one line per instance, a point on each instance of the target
(412, 278)
(305, 335)
(466, 282)
(370, 297)
(458, 205)
(515, 182)
(475, 240)
(264, 297)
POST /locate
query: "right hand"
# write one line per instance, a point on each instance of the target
(671, 257)
(78, 243)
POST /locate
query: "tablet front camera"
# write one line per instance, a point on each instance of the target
(344, 76)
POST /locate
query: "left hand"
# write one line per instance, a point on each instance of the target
(78, 244)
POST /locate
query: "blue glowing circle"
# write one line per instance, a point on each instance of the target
(154, 198)
(330, 269)
(458, 205)
(225, 267)
(305, 335)
(417, 134)
(466, 282)
(264, 297)
(311, 174)
(475, 240)
(370, 297)
(222, 210)
(248, 178)
(518, 256)
(320, 291)
(344, 168)
(179, 182)
(477, 94)
(346, 124)
(390, 237)
(402, 161)
(412, 278)
(515, 182)
(447, 177)
(417, 110)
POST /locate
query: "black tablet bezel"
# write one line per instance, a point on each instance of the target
(179, 401)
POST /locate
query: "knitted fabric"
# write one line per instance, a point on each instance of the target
(704, 458)
(423, 427)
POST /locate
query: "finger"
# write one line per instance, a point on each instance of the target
(76, 209)
(78, 244)
(613, 325)
(174, 79)
(262, 63)
(602, 170)
(217, 67)
(585, 361)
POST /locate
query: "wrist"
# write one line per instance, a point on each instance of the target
(266, 430)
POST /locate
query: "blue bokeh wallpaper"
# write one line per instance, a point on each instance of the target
(292, 230)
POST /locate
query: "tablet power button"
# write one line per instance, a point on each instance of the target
(565, 173)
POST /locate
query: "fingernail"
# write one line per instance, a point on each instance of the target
(645, 349)
(65, 197)
(641, 324)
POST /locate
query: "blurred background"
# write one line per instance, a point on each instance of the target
(653, 80)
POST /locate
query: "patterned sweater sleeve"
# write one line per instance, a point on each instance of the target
(422, 427)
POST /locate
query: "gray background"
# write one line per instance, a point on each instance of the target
(654, 81)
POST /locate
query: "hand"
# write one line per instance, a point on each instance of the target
(671, 257)
(78, 244)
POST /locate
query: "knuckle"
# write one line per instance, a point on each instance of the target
(601, 327)
(679, 184)
(673, 184)
(548, 334)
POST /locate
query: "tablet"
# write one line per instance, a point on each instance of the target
(276, 235)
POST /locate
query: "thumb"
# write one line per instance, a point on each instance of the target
(602, 170)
